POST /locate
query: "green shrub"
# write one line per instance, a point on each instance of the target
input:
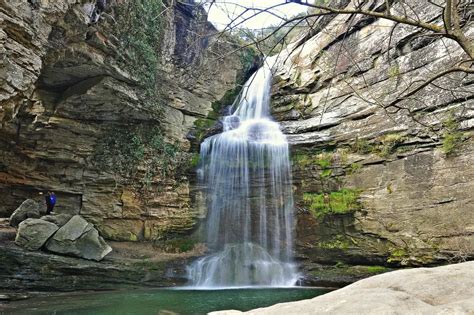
(194, 160)
(336, 202)
(388, 144)
(202, 126)
(326, 173)
(324, 160)
(452, 137)
(362, 146)
(354, 168)
(301, 160)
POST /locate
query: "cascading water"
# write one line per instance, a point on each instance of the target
(249, 197)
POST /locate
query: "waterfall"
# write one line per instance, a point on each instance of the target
(247, 175)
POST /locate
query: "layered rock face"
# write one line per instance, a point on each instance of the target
(65, 92)
(377, 185)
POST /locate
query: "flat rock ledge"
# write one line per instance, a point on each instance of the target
(441, 290)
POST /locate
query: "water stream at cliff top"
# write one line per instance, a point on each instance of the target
(247, 175)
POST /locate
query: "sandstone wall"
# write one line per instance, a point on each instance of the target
(63, 90)
(414, 202)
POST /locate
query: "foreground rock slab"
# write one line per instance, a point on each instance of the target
(28, 209)
(79, 238)
(442, 290)
(33, 233)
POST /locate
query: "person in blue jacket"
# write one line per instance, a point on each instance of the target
(50, 198)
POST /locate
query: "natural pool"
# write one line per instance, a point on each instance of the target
(160, 301)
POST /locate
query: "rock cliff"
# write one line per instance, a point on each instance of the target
(376, 185)
(373, 185)
(76, 118)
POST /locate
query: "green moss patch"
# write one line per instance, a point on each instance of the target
(452, 137)
(397, 255)
(389, 143)
(336, 202)
(377, 269)
(339, 242)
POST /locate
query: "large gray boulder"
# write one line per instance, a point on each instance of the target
(441, 290)
(33, 233)
(58, 219)
(79, 238)
(28, 209)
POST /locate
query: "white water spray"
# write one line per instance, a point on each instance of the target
(247, 173)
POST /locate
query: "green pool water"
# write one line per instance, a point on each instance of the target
(159, 301)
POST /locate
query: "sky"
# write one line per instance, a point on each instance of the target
(223, 11)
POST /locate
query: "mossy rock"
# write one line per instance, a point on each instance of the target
(336, 202)
(341, 274)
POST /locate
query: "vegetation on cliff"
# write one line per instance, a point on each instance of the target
(141, 153)
(452, 136)
(139, 32)
(335, 202)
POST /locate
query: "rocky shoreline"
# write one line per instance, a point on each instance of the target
(440, 290)
(23, 270)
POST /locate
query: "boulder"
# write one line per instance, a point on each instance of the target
(441, 290)
(28, 209)
(58, 219)
(33, 233)
(79, 238)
